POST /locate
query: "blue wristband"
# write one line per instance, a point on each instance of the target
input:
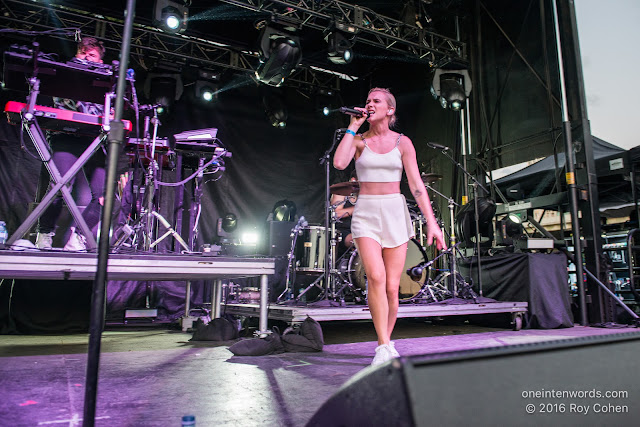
(350, 132)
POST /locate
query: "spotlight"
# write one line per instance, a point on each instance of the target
(453, 92)
(280, 55)
(283, 210)
(451, 88)
(466, 224)
(207, 94)
(206, 91)
(163, 89)
(250, 238)
(339, 49)
(510, 228)
(275, 110)
(326, 101)
(226, 228)
(206, 87)
(170, 16)
(518, 217)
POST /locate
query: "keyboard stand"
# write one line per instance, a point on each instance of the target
(60, 183)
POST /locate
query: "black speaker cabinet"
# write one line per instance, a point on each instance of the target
(280, 237)
(581, 381)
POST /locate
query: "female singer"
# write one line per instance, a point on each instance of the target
(381, 224)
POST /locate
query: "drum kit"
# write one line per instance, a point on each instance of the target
(314, 251)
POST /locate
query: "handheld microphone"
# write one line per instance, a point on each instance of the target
(437, 146)
(415, 272)
(353, 112)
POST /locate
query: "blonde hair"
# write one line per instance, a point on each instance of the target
(391, 100)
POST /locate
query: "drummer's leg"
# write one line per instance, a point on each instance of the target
(348, 240)
(393, 259)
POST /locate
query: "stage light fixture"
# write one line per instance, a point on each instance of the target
(163, 89)
(453, 93)
(206, 91)
(207, 87)
(226, 228)
(510, 228)
(466, 224)
(451, 88)
(170, 16)
(284, 210)
(326, 101)
(280, 55)
(250, 237)
(275, 110)
(340, 49)
(517, 217)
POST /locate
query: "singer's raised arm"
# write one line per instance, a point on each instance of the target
(350, 142)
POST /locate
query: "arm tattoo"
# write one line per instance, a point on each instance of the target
(417, 193)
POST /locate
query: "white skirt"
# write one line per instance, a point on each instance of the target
(383, 217)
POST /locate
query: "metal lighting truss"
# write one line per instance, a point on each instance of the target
(149, 44)
(370, 27)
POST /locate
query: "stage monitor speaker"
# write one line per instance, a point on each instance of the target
(280, 237)
(581, 381)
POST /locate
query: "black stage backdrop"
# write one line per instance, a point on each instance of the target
(268, 164)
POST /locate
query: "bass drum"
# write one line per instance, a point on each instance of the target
(408, 287)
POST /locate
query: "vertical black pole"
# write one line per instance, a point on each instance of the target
(116, 137)
(571, 178)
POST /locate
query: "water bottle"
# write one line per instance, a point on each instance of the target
(189, 421)
(4, 235)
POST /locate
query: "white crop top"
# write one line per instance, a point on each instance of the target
(375, 167)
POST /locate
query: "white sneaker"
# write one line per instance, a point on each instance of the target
(383, 354)
(392, 350)
(45, 240)
(77, 242)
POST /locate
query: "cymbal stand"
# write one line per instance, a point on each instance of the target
(146, 223)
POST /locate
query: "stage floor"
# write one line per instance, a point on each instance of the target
(153, 377)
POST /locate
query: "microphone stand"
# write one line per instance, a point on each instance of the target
(330, 250)
(475, 185)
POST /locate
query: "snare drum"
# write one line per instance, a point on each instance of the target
(408, 287)
(310, 249)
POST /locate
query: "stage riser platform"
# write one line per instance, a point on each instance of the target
(82, 266)
(297, 314)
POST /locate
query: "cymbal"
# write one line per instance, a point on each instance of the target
(344, 188)
(430, 178)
